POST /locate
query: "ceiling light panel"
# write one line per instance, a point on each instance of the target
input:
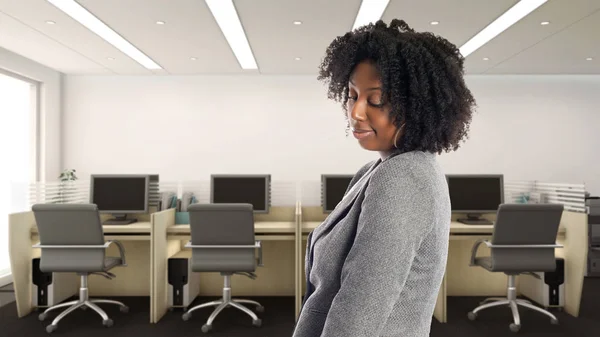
(88, 20)
(369, 12)
(509, 18)
(229, 22)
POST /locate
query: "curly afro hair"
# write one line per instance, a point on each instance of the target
(422, 80)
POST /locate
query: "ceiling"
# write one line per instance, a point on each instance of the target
(190, 30)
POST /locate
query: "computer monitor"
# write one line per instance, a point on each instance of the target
(120, 195)
(475, 194)
(252, 189)
(333, 188)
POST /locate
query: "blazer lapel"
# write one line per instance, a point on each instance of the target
(342, 208)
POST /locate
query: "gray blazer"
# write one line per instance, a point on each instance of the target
(374, 267)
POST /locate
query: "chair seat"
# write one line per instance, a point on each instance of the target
(111, 262)
(485, 262)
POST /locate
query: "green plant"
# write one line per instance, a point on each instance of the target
(65, 178)
(68, 175)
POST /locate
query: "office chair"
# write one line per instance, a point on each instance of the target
(72, 240)
(223, 242)
(523, 242)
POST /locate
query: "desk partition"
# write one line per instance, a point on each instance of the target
(295, 211)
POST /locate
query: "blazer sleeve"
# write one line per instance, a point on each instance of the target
(394, 218)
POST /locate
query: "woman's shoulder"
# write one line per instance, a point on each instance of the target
(416, 169)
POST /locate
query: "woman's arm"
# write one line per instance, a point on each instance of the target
(395, 215)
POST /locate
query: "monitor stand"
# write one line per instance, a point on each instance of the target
(475, 219)
(119, 219)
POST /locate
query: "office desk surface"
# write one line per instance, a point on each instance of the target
(259, 227)
(142, 227)
(455, 228)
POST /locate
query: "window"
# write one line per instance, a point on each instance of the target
(18, 148)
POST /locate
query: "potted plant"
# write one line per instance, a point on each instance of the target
(66, 179)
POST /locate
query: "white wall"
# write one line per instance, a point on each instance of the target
(185, 128)
(50, 108)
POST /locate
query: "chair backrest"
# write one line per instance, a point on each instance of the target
(526, 224)
(70, 224)
(222, 224)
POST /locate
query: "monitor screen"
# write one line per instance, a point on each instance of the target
(476, 193)
(333, 188)
(127, 194)
(253, 190)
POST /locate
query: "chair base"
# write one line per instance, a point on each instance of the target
(84, 302)
(513, 303)
(223, 303)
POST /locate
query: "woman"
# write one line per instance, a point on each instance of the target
(375, 265)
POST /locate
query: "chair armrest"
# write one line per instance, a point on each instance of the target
(474, 250)
(490, 245)
(104, 246)
(257, 244)
(121, 250)
(38, 245)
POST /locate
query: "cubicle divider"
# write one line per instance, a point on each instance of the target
(161, 250)
(299, 271)
(21, 255)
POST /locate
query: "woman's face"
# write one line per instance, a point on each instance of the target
(369, 119)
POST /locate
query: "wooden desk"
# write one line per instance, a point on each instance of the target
(455, 228)
(131, 280)
(264, 230)
(260, 227)
(140, 227)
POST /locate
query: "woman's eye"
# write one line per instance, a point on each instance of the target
(353, 98)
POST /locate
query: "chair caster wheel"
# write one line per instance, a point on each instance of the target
(514, 327)
(84, 307)
(257, 322)
(51, 328)
(186, 316)
(124, 309)
(553, 321)
(472, 316)
(260, 309)
(206, 328)
(107, 323)
(42, 317)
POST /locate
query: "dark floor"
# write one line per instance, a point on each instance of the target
(278, 321)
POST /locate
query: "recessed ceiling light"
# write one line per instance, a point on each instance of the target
(228, 20)
(298, 59)
(435, 23)
(50, 22)
(543, 23)
(486, 58)
(87, 19)
(160, 22)
(110, 58)
(193, 58)
(370, 11)
(297, 22)
(589, 59)
(509, 18)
